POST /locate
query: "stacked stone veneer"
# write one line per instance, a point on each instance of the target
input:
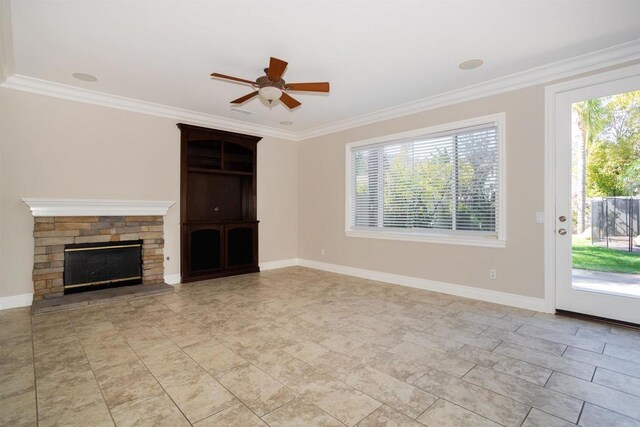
(51, 234)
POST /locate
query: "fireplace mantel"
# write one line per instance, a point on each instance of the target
(96, 207)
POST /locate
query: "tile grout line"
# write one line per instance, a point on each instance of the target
(104, 400)
(526, 416)
(240, 402)
(460, 406)
(156, 379)
(510, 342)
(601, 385)
(509, 374)
(544, 367)
(337, 380)
(581, 411)
(438, 398)
(310, 403)
(604, 367)
(366, 394)
(147, 367)
(595, 404)
(476, 385)
(35, 378)
(207, 372)
(480, 386)
(523, 403)
(548, 379)
(611, 410)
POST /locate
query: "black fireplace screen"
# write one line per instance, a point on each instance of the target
(102, 264)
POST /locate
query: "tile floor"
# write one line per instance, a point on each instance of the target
(300, 347)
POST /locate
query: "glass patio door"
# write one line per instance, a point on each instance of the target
(597, 180)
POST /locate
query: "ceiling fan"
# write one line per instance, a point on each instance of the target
(271, 86)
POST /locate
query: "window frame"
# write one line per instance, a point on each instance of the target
(498, 239)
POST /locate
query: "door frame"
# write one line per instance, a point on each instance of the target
(551, 93)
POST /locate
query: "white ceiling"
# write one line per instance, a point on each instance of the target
(376, 54)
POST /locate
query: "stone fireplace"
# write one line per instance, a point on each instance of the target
(62, 224)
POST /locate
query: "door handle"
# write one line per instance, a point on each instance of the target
(562, 231)
(562, 218)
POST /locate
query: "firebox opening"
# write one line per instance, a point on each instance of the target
(93, 266)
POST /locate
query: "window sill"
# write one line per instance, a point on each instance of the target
(485, 242)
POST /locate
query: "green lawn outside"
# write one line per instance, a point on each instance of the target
(589, 257)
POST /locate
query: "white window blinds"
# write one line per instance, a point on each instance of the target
(443, 182)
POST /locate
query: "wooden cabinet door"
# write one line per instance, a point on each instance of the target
(204, 249)
(241, 245)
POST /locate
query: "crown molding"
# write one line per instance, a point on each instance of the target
(592, 61)
(59, 90)
(601, 59)
(97, 207)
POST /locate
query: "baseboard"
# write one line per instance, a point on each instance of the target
(22, 300)
(520, 301)
(281, 263)
(172, 279)
(530, 303)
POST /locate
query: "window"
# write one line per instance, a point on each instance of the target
(441, 184)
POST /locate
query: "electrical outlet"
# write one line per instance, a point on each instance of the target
(322, 252)
(492, 273)
(540, 217)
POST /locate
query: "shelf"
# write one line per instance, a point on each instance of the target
(219, 222)
(239, 158)
(237, 173)
(215, 158)
(206, 166)
(218, 171)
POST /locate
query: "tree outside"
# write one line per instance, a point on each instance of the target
(447, 183)
(613, 153)
(606, 164)
(590, 118)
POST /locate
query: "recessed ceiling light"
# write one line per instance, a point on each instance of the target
(286, 122)
(471, 64)
(85, 77)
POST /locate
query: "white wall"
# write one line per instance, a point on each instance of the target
(57, 148)
(520, 266)
(6, 44)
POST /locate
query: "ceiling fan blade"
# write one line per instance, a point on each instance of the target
(244, 98)
(289, 101)
(276, 68)
(236, 79)
(308, 87)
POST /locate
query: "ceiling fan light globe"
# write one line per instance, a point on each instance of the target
(270, 93)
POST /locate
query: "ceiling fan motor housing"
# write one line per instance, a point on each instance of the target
(264, 81)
